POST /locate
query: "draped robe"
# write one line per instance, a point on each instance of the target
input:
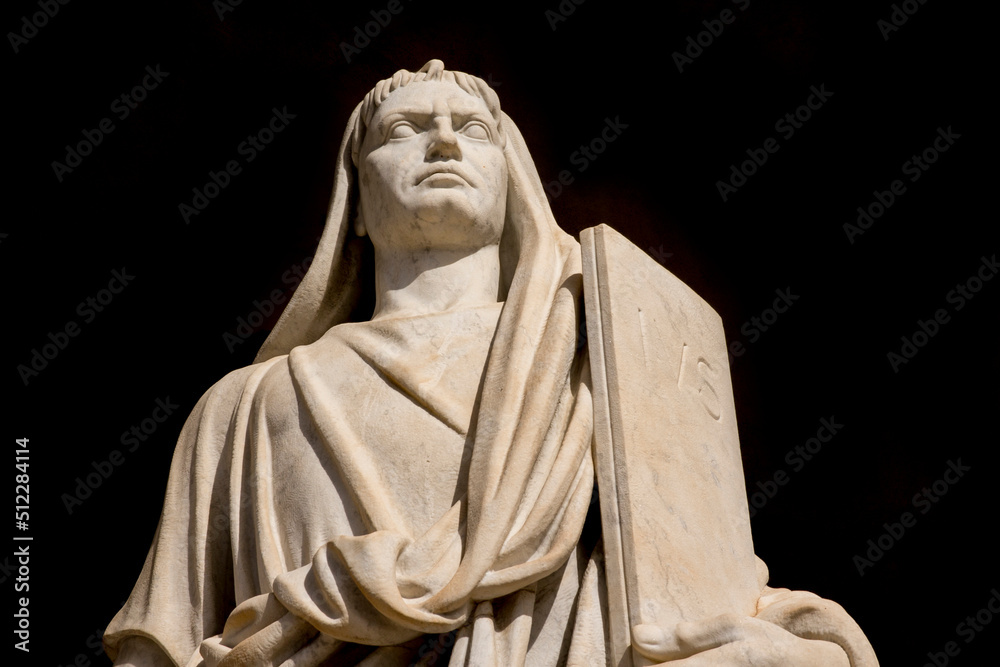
(416, 489)
(340, 469)
(346, 462)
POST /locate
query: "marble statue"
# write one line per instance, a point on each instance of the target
(417, 486)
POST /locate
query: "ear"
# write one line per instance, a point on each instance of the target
(359, 223)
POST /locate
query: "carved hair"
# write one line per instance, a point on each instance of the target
(433, 70)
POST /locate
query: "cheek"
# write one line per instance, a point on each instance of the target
(495, 173)
(376, 184)
(501, 180)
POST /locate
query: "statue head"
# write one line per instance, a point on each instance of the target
(428, 160)
(429, 152)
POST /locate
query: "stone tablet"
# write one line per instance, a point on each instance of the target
(673, 499)
(414, 487)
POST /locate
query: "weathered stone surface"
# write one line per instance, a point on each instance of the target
(667, 450)
(413, 485)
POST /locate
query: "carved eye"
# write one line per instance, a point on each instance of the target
(402, 131)
(476, 131)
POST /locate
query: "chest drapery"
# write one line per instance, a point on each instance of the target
(343, 477)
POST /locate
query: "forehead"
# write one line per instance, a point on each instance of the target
(430, 98)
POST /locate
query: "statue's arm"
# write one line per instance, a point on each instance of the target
(809, 616)
(184, 591)
(789, 628)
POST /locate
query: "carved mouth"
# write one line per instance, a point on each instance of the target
(444, 177)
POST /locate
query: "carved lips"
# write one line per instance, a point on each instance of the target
(444, 175)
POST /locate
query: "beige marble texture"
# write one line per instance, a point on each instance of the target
(667, 449)
(414, 485)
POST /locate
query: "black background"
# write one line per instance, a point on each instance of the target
(826, 357)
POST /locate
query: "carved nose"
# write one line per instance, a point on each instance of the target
(444, 143)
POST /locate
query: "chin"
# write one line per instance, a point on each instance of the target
(446, 204)
(454, 230)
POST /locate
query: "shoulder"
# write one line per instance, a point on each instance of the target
(219, 408)
(243, 383)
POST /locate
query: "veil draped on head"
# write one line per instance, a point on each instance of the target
(516, 519)
(531, 474)
(330, 289)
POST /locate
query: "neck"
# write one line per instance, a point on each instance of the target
(423, 282)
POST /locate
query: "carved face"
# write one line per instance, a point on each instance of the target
(432, 171)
